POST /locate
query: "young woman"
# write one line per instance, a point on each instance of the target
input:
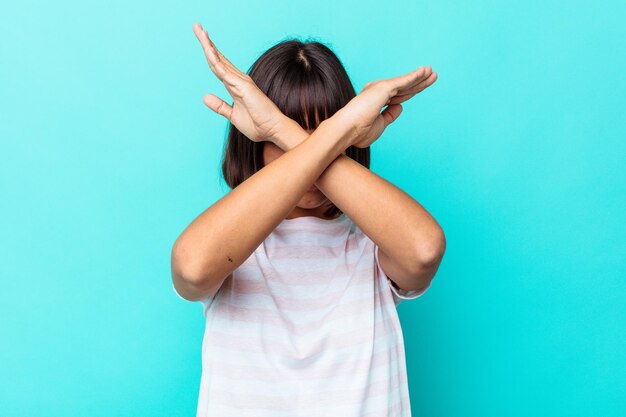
(301, 266)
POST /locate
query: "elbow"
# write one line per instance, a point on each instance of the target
(185, 265)
(428, 260)
(432, 252)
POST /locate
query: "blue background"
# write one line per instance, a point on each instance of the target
(518, 151)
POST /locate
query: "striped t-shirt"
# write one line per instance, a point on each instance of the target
(306, 326)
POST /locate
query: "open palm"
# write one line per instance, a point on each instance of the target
(252, 112)
(259, 119)
(364, 109)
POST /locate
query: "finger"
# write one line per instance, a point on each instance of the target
(402, 81)
(221, 56)
(412, 78)
(427, 82)
(399, 98)
(218, 105)
(211, 56)
(207, 42)
(391, 113)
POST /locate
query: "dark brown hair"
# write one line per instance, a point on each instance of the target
(306, 81)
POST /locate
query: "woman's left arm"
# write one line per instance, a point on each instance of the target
(411, 242)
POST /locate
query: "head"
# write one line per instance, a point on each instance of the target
(308, 83)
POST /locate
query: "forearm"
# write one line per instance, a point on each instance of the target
(397, 223)
(226, 234)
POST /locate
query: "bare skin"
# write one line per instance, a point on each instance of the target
(312, 203)
(225, 234)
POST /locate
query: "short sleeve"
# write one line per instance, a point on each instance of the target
(398, 294)
(176, 292)
(206, 302)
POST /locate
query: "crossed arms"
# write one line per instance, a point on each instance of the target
(411, 243)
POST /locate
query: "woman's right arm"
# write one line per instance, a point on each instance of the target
(225, 235)
(221, 238)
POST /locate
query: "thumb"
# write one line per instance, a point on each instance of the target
(218, 105)
(391, 113)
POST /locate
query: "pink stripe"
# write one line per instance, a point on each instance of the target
(255, 285)
(284, 351)
(309, 400)
(291, 303)
(302, 277)
(324, 370)
(312, 230)
(343, 250)
(393, 410)
(272, 318)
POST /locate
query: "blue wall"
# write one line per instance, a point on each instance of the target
(518, 151)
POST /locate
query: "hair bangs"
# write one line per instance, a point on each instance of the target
(308, 84)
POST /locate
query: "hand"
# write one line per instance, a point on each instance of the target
(364, 109)
(252, 112)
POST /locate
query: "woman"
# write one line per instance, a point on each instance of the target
(301, 266)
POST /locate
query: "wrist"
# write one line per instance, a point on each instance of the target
(288, 134)
(343, 128)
